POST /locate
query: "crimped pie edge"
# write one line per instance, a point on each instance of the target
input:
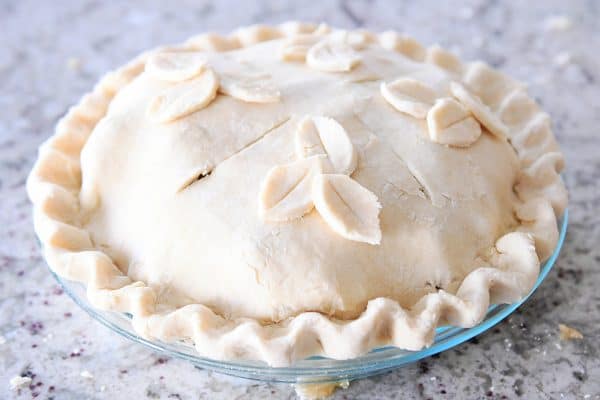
(53, 187)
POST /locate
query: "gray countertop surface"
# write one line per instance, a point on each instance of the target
(52, 52)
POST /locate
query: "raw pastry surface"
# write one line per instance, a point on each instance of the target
(289, 184)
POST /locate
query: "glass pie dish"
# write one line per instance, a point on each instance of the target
(314, 369)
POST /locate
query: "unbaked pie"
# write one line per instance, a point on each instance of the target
(287, 191)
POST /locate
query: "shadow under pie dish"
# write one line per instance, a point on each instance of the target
(297, 190)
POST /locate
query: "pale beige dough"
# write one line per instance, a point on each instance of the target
(192, 197)
(208, 242)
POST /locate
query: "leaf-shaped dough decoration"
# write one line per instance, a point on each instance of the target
(332, 56)
(481, 111)
(286, 191)
(358, 40)
(409, 96)
(451, 124)
(296, 47)
(323, 135)
(251, 89)
(175, 67)
(184, 98)
(349, 209)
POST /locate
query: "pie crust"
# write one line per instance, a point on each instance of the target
(325, 191)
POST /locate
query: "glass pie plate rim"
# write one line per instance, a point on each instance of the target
(314, 369)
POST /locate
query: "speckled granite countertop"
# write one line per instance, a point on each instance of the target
(52, 52)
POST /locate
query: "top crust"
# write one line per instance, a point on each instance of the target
(317, 291)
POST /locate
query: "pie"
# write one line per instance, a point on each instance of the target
(294, 190)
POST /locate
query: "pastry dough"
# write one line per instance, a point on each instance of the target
(177, 204)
